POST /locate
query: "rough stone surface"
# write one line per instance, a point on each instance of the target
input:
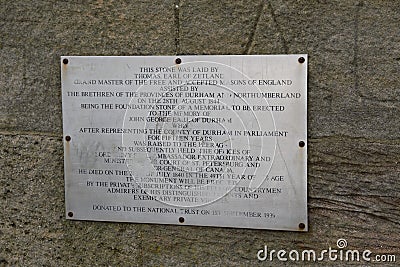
(353, 111)
(200, 30)
(36, 33)
(353, 49)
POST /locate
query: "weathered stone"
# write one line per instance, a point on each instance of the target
(32, 221)
(220, 27)
(353, 192)
(353, 111)
(36, 34)
(353, 52)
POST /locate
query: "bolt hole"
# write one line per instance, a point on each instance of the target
(65, 61)
(68, 138)
(178, 61)
(302, 144)
(302, 226)
(70, 214)
(302, 60)
(181, 219)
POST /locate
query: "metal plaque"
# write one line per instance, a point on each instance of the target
(188, 140)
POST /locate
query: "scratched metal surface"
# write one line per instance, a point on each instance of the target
(212, 141)
(353, 125)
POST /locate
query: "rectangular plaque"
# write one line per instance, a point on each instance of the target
(188, 140)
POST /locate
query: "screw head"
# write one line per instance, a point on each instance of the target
(178, 61)
(302, 60)
(65, 61)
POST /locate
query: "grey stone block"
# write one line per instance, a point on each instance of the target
(353, 193)
(353, 57)
(354, 113)
(217, 27)
(33, 228)
(36, 34)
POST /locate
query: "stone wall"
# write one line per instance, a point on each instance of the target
(353, 121)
